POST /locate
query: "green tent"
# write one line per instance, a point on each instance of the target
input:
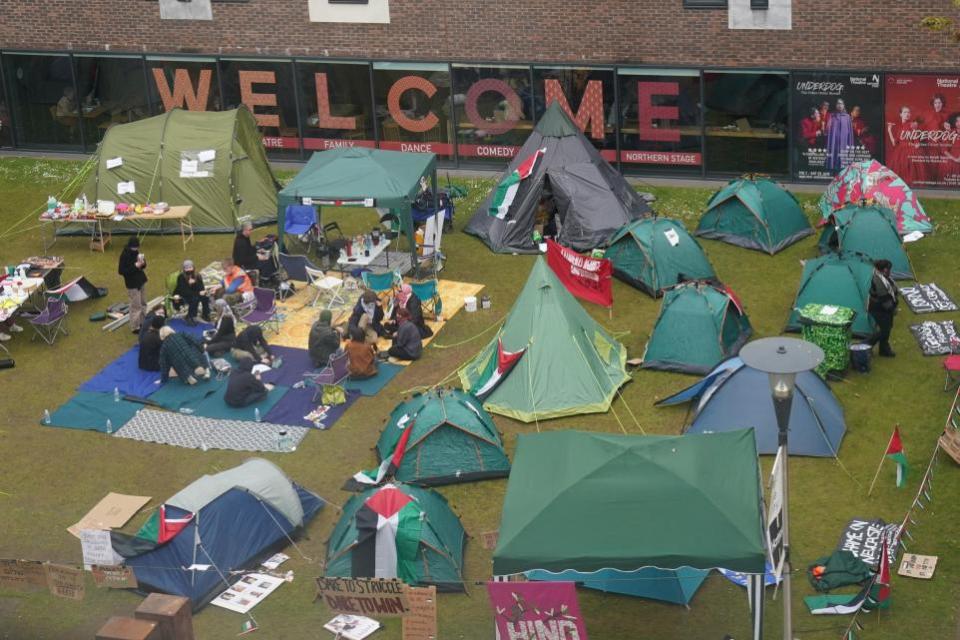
(571, 364)
(440, 437)
(699, 326)
(754, 212)
(211, 160)
(653, 254)
(361, 177)
(870, 231)
(841, 279)
(593, 501)
(398, 531)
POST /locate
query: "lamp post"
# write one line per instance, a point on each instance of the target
(782, 359)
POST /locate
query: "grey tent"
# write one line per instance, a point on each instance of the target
(592, 199)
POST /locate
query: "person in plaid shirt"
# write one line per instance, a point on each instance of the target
(182, 354)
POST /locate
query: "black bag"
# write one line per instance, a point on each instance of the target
(6, 363)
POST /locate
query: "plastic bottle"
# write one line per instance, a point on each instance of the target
(51, 204)
(283, 442)
(186, 411)
(46, 416)
(109, 426)
(116, 394)
(256, 414)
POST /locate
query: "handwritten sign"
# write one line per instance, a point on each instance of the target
(927, 298)
(915, 565)
(114, 577)
(22, 575)
(863, 538)
(364, 596)
(65, 582)
(935, 338)
(421, 622)
(97, 548)
(488, 539)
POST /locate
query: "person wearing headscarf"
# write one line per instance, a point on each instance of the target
(251, 345)
(150, 343)
(361, 355)
(883, 305)
(190, 290)
(244, 388)
(407, 343)
(181, 355)
(132, 266)
(368, 315)
(158, 314)
(324, 340)
(405, 298)
(225, 331)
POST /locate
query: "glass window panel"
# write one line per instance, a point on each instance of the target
(43, 101)
(185, 83)
(266, 88)
(660, 121)
(335, 105)
(587, 95)
(494, 112)
(6, 120)
(413, 107)
(746, 122)
(112, 91)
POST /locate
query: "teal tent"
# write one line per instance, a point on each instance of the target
(754, 212)
(869, 230)
(653, 254)
(841, 279)
(699, 325)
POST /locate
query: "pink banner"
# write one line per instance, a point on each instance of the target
(536, 611)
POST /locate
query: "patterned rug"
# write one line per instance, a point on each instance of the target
(192, 432)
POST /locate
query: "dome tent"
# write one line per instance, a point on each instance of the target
(869, 230)
(878, 184)
(754, 212)
(653, 254)
(841, 279)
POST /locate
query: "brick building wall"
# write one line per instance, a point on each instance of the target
(876, 34)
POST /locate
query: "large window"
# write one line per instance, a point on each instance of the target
(185, 83)
(413, 107)
(746, 122)
(6, 120)
(336, 108)
(660, 120)
(266, 87)
(44, 101)
(113, 89)
(587, 95)
(494, 111)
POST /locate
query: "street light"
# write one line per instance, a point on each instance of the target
(782, 359)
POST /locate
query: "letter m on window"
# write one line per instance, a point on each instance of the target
(590, 111)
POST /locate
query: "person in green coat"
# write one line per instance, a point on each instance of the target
(324, 340)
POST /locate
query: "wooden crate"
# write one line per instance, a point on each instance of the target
(121, 628)
(172, 614)
(950, 442)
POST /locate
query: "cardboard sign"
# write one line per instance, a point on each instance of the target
(863, 538)
(97, 548)
(364, 596)
(110, 513)
(65, 582)
(935, 338)
(914, 565)
(927, 298)
(421, 622)
(536, 610)
(488, 539)
(115, 577)
(22, 575)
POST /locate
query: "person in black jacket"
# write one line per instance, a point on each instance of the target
(883, 305)
(323, 340)
(132, 267)
(158, 315)
(149, 357)
(407, 299)
(243, 387)
(251, 345)
(190, 290)
(225, 330)
(368, 316)
(244, 253)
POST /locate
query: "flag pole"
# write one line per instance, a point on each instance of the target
(880, 466)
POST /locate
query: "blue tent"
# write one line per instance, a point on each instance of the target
(735, 396)
(240, 517)
(670, 585)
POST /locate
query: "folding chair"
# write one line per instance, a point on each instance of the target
(322, 282)
(951, 367)
(265, 311)
(431, 260)
(299, 219)
(428, 292)
(50, 322)
(334, 373)
(168, 306)
(296, 267)
(382, 283)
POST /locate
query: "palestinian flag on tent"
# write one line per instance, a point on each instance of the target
(507, 189)
(388, 536)
(496, 370)
(837, 603)
(895, 453)
(165, 523)
(78, 289)
(390, 463)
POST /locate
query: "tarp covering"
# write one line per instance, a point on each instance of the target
(591, 501)
(841, 279)
(869, 230)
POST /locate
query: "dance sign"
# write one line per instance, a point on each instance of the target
(586, 278)
(536, 611)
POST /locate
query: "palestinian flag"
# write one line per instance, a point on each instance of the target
(165, 523)
(836, 603)
(506, 191)
(880, 592)
(388, 536)
(496, 370)
(895, 453)
(390, 463)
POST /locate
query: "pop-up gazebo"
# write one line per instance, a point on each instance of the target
(361, 177)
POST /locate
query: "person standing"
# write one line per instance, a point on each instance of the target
(883, 305)
(244, 253)
(132, 267)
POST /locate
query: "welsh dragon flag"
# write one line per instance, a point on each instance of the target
(390, 463)
(388, 536)
(895, 453)
(507, 189)
(496, 370)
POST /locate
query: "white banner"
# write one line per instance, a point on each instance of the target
(775, 515)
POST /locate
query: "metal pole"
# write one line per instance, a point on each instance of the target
(782, 408)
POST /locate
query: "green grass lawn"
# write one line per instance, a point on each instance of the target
(50, 477)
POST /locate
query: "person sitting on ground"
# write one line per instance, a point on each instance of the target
(251, 345)
(324, 340)
(407, 343)
(237, 286)
(150, 344)
(190, 290)
(361, 356)
(148, 320)
(405, 298)
(181, 355)
(368, 316)
(225, 331)
(244, 388)
(244, 253)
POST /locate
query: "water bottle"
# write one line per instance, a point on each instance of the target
(256, 414)
(46, 416)
(203, 445)
(282, 440)
(109, 426)
(186, 411)
(116, 394)
(51, 204)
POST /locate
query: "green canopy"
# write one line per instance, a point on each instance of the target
(593, 501)
(571, 366)
(870, 231)
(839, 279)
(699, 326)
(653, 254)
(168, 159)
(369, 177)
(754, 212)
(452, 439)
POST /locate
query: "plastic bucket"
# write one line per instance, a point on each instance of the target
(470, 303)
(860, 357)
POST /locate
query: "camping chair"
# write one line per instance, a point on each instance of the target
(168, 306)
(334, 373)
(322, 282)
(49, 322)
(264, 313)
(431, 260)
(296, 267)
(428, 291)
(300, 218)
(951, 367)
(383, 285)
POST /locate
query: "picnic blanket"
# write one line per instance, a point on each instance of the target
(298, 403)
(91, 410)
(934, 338)
(372, 386)
(295, 362)
(927, 298)
(194, 432)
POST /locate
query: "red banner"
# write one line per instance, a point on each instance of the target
(586, 278)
